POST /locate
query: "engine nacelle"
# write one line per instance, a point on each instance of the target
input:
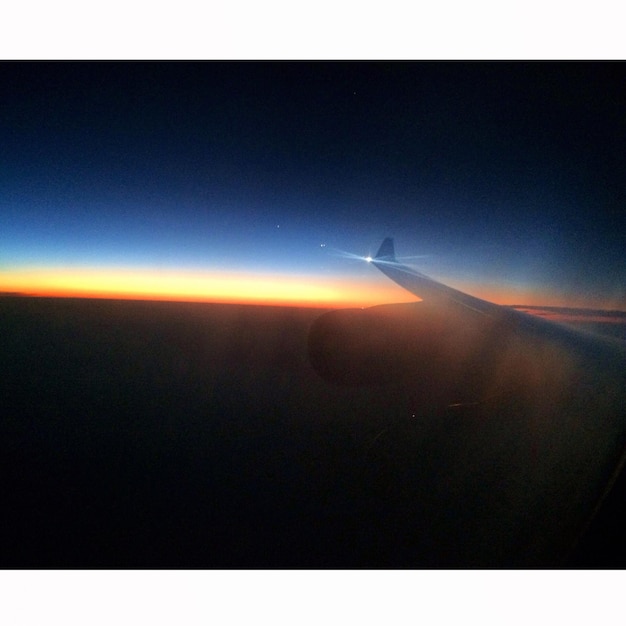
(379, 345)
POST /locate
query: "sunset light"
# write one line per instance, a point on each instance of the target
(196, 286)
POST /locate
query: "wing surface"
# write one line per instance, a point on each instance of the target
(421, 285)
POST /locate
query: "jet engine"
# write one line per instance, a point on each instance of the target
(379, 345)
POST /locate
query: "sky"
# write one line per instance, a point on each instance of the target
(266, 182)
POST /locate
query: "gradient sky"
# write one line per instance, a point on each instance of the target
(246, 182)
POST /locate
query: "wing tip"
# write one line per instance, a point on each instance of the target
(386, 252)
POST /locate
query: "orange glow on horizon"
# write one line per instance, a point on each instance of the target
(564, 316)
(197, 286)
(533, 296)
(266, 289)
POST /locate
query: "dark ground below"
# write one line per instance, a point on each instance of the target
(143, 434)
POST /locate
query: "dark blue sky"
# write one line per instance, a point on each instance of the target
(508, 174)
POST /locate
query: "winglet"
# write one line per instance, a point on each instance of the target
(386, 251)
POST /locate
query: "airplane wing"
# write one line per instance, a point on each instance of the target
(420, 284)
(517, 424)
(431, 290)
